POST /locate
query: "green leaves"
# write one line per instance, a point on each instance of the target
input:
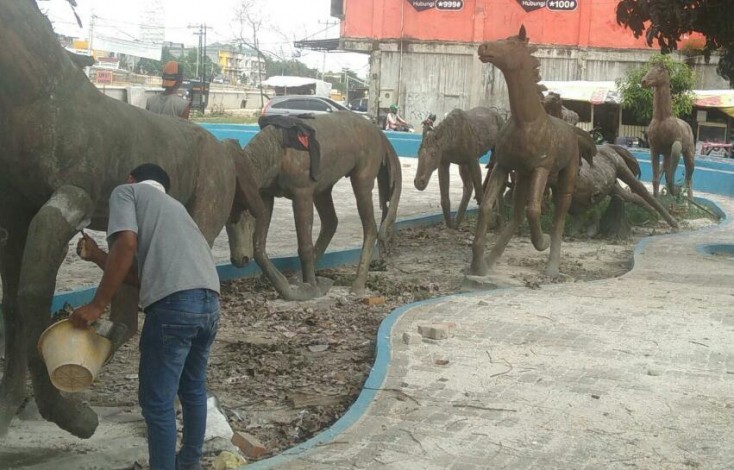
(639, 100)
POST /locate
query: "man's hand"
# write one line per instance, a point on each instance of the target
(87, 248)
(84, 316)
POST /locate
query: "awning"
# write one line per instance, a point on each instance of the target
(289, 81)
(606, 92)
(720, 99)
(580, 90)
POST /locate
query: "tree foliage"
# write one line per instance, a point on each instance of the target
(296, 68)
(668, 21)
(640, 100)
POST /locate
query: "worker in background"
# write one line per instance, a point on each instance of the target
(169, 103)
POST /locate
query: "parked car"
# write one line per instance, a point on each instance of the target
(293, 105)
(359, 104)
(301, 104)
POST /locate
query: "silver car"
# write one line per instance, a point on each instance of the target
(300, 104)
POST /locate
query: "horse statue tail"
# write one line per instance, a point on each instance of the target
(587, 146)
(390, 185)
(629, 159)
(675, 152)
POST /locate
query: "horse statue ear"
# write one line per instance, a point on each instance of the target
(522, 34)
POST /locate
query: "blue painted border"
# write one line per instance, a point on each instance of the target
(228, 272)
(715, 249)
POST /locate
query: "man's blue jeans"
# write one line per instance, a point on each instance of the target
(174, 348)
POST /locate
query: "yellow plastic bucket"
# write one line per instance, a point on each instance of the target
(73, 356)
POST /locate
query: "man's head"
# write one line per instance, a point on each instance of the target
(393, 108)
(172, 75)
(150, 171)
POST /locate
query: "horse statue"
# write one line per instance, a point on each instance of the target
(595, 182)
(461, 138)
(554, 107)
(666, 134)
(65, 146)
(350, 146)
(541, 150)
(427, 124)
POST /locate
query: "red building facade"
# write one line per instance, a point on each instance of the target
(582, 23)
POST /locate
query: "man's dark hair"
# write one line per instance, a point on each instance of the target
(151, 171)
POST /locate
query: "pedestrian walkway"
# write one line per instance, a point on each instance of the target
(630, 372)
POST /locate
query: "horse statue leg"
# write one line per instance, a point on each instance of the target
(51, 229)
(640, 195)
(655, 163)
(324, 203)
(444, 182)
(303, 203)
(688, 162)
(538, 181)
(519, 202)
(362, 186)
(495, 185)
(468, 186)
(562, 195)
(671, 165)
(14, 224)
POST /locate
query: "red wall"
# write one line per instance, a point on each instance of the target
(592, 24)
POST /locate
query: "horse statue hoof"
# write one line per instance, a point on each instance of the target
(324, 284)
(303, 291)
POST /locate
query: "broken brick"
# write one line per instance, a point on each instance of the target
(248, 444)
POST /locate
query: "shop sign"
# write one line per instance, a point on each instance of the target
(531, 5)
(443, 5)
(553, 5)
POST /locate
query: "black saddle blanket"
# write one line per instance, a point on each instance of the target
(298, 135)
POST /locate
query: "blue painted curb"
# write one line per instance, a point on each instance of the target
(228, 272)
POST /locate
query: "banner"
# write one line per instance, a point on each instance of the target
(443, 5)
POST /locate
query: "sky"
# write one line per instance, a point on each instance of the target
(283, 22)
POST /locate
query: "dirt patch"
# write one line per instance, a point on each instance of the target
(283, 371)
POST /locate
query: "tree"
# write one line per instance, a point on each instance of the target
(639, 100)
(297, 68)
(668, 21)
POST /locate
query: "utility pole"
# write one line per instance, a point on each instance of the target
(202, 40)
(90, 40)
(203, 87)
(328, 24)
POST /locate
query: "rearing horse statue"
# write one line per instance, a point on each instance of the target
(540, 149)
(667, 134)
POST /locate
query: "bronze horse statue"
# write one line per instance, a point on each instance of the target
(541, 150)
(667, 135)
(461, 138)
(350, 146)
(553, 105)
(595, 182)
(65, 146)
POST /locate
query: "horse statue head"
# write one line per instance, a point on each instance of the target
(511, 54)
(657, 76)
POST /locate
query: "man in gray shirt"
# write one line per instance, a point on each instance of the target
(169, 103)
(179, 292)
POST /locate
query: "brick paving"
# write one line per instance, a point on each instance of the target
(630, 372)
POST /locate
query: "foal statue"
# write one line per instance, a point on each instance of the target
(667, 134)
(462, 138)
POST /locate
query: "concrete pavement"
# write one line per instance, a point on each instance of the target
(630, 372)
